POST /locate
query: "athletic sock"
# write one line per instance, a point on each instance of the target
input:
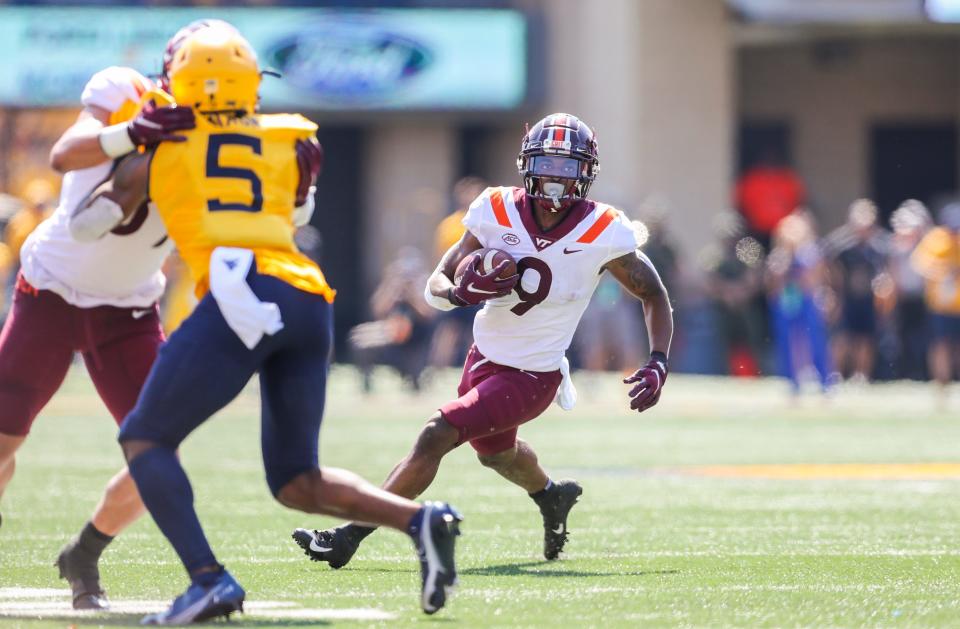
(92, 542)
(166, 492)
(207, 577)
(538, 496)
(358, 533)
(413, 527)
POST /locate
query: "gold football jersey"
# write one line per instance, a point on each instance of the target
(233, 183)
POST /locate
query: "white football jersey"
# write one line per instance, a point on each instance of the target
(531, 328)
(121, 269)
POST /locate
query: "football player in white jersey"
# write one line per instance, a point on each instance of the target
(562, 243)
(82, 291)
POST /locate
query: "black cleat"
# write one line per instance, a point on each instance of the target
(334, 546)
(83, 575)
(435, 538)
(555, 506)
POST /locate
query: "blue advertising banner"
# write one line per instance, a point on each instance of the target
(331, 59)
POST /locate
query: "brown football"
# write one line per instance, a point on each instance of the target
(489, 259)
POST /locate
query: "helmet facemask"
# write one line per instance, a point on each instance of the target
(558, 180)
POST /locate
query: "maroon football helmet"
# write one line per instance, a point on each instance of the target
(174, 43)
(560, 147)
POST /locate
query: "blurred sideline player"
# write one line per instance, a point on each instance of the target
(562, 243)
(98, 299)
(226, 195)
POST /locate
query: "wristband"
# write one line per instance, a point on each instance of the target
(440, 303)
(115, 141)
(659, 357)
(303, 213)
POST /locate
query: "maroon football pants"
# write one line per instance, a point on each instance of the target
(496, 399)
(41, 333)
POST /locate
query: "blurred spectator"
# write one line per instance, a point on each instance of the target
(453, 334)
(766, 193)
(610, 333)
(658, 245)
(797, 290)
(400, 334)
(858, 253)
(910, 223)
(734, 268)
(937, 259)
(38, 197)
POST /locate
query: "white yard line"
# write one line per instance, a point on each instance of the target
(54, 603)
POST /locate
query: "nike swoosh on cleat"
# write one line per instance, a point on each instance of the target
(559, 530)
(479, 291)
(318, 548)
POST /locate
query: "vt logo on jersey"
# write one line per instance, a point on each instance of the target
(541, 242)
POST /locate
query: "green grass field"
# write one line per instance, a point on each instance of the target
(657, 540)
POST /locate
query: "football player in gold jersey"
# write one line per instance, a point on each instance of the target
(227, 195)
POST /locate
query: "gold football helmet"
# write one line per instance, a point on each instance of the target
(215, 70)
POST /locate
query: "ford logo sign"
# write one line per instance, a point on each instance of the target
(348, 59)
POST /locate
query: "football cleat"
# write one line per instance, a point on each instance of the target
(554, 507)
(201, 603)
(334, 546)
(434, 533)
(81, 572)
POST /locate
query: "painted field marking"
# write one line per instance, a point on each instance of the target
(54, 603)
(828, 471)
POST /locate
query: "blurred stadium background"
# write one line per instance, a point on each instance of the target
(791, 164)
(716, 120)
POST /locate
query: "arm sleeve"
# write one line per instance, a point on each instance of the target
(111, 87)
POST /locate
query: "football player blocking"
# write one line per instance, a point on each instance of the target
(97, 298)
(226, 194)
(562, 242)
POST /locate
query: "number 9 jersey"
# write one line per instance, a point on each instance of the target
(532, 327)
(232, 183)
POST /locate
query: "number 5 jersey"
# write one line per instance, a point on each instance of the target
(232, 183)
(532, 327)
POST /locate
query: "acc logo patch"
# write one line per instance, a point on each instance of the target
(511, 239)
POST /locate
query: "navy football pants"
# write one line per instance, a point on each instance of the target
(204, 365)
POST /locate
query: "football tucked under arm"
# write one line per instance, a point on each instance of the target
(112, 201)
(440, 286)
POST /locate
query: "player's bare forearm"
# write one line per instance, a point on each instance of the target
(112, 201)
(636, 273)
(79, 146)
(441, 281)
(128, 186)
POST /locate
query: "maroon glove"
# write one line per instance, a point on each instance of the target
(154, 125)
(309, 162)
(650, 380)
(475, 287)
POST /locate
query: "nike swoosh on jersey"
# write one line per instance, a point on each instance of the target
(479, 291)
(565, 250)
(317, 548)
(139, 314)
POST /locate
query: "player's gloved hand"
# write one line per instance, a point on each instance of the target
(154, 125)
(649, 381)
(309, 163)
(476, 287)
